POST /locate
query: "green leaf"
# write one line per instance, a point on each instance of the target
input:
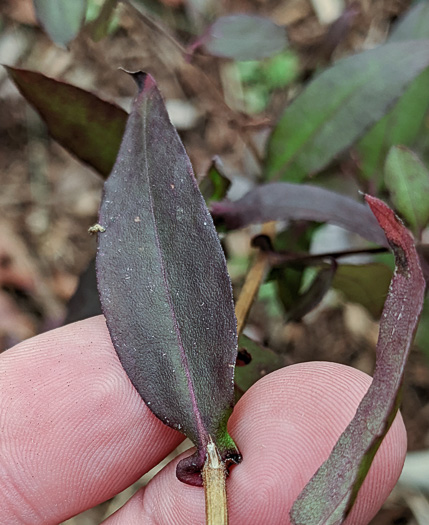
(336, 108)
(164, 286)
(330, 494)
(87, 126)
(422, 335)
(289, 279)
(364, 284)
(61, 19)
(402, 125)
(407, 180)
(404, 122)
(288, 284)
(243, 37)
(215, 184)
(263, 361)
(313, 295)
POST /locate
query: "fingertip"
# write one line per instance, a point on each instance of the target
(74, 430)
(298, 414)
(285, 426)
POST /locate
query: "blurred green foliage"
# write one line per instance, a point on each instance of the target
(261, 77)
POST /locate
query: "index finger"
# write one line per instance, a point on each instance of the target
(74, 431)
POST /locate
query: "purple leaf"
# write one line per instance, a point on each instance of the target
(242, 37)
(85, 302)
(284, 201)
(163, 283)
(87, 126)
(330, 494)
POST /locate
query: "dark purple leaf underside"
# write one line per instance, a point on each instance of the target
(285, 201)
(331, 492)
(163, 283)
(88, 127)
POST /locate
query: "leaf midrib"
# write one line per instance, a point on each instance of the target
(199, 423)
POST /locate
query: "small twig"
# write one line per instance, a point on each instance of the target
(254, 278)
(277, 258)
(248, 140)
(155, 26)
(214, 477)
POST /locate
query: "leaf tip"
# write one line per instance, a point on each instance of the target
(142, 79)
(387, 219)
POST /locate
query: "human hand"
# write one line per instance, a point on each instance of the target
(74, 432)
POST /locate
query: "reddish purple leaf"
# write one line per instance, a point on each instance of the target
(87, 126)
(164, 286)
(330, 494)
(285, 201)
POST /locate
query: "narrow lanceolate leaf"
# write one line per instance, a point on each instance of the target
(340, 105)
(87, 126)
(331, 492)
(243, 37)
(61, 19)
(403, 123)
(407, 180)
(285, 201)
(163, 283)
